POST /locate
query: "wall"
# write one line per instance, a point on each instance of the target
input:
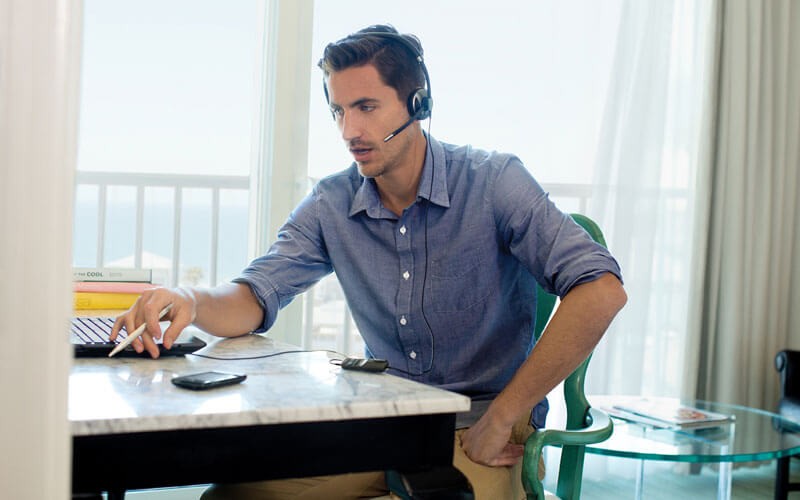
(39, 56)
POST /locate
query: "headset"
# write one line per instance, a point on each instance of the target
(420, 101)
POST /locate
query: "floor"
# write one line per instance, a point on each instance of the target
(749, 483)
(611, 478)
(607, 478)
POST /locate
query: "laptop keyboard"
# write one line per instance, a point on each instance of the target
(93, 330)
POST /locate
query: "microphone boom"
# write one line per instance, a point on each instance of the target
(406, 124)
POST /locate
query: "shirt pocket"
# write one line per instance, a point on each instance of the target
(460, 280)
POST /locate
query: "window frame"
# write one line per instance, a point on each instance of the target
(279, 173)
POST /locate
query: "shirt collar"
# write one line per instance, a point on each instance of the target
(432, 184)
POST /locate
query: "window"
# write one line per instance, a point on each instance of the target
(505, 75)
(166, 125)
(195, 115)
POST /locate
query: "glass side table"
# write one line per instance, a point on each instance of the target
(752, 436)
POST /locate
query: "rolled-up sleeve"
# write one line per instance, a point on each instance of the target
(297, 260)
(550, 244)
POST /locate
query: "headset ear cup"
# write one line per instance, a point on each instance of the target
(420, 104)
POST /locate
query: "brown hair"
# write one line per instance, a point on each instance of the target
(395, 62)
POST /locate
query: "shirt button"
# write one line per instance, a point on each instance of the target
(412, 355)
(406, 275)
(403, 230)
(403, 320)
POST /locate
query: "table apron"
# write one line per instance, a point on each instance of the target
(260, 452)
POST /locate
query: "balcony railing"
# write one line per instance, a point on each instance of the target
(177, 184)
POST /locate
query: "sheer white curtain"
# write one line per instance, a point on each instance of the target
(650, 143)
(653, 138)
(749, 301)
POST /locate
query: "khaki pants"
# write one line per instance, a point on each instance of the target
(488, 483)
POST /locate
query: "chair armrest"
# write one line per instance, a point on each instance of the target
(599, 428)
(787, 362)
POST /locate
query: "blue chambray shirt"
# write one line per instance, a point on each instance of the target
(447, 290)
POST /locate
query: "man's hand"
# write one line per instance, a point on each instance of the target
(146, 310)
(487, 443)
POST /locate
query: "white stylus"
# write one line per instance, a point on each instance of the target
(136, 333)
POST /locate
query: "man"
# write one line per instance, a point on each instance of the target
(438, 249)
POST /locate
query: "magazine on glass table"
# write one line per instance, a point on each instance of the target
(667, 414)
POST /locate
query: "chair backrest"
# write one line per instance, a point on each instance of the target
(571, 465)
(787, 362)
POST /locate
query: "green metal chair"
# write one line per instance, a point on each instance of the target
(585, 425)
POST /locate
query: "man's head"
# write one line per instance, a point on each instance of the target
(375, 81)
(396, 57)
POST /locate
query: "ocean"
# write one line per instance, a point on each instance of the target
(158, 240)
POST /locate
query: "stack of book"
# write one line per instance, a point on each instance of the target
(108, 288)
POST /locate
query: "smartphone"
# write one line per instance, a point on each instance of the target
(207, 380)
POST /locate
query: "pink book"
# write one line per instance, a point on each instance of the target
(110, 286)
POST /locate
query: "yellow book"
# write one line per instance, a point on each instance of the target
(99, 300)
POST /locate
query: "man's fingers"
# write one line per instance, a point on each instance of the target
(149, 345)
(119, 322)
(130, 326)
(510, 455)
(181, 315)
(152, 309)
(174, 329)
(503, 462)
(515, 450)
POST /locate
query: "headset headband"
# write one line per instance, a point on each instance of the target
(420, 102)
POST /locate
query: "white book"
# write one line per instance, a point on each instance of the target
(112, 274)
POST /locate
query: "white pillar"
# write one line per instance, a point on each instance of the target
(279, 176)
(39, 77)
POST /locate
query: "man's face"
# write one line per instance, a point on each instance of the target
(366, 111)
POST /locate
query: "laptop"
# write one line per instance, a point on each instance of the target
(89, 337)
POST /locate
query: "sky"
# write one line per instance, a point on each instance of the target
(170, 86)
(167, 86)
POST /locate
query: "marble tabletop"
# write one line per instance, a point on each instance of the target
(122, 395)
